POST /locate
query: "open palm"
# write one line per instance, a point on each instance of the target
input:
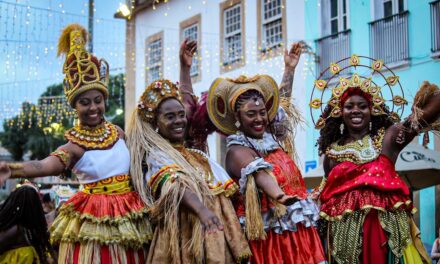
(291, 57)
(187, 50)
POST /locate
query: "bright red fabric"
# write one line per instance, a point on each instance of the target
(374, 240)
(352, 187)
(103, 205)
(302, 246)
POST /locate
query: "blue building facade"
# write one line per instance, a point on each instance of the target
(403, 33)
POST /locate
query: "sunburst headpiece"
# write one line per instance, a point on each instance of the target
(364, 82)
(82, 70)
(153, 95)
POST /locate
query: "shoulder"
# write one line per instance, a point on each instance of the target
(120, 132)
(239, 152)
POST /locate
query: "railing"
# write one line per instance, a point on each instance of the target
(435, 26)
(331, 49)
(389, 38)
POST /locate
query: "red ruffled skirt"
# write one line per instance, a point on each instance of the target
(105, 223)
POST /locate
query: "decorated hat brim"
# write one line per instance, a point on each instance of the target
(219, 98)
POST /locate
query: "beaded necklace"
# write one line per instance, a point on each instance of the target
(102, 136)
(360, 151)
(198, 159)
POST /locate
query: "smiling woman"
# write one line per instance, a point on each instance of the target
(187, 190)
(106, 222)
(365, 205)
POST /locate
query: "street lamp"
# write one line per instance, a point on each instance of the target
(123, 12)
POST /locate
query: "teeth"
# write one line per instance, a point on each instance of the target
(178, 129)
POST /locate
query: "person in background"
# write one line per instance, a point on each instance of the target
(24, 237)
(435, 251)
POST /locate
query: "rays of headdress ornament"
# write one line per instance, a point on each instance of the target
(360, 81)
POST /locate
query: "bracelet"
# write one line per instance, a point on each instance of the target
(16, 169)
(62, 155)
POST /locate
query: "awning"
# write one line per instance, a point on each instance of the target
(419, 167)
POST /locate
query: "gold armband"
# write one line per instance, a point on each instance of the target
(16, 169)
(63, 156)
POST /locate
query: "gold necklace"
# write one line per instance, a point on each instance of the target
(198, 160)
(102, 136)
(360, 151)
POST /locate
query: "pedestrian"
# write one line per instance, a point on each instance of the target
(435, 251)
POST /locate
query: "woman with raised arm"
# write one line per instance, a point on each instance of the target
(274, 210)
(106, 222)
(364, 202)
(188, 191)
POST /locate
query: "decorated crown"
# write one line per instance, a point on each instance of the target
(82, 70)
(154, 94)
(363, 82)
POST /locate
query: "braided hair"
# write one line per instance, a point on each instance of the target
(330, 133)
(23, 208)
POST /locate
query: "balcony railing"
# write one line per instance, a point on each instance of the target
(389, 38)
(435, 26)
(331, 49)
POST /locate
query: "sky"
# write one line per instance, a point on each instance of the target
(29, 32)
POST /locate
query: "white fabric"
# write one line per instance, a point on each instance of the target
(96, 165)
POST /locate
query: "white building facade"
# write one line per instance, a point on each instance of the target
(234, 37)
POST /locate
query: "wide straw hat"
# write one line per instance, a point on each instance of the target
(224, 92)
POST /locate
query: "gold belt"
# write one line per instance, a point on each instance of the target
(114, 185)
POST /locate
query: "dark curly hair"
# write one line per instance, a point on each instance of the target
(23, 208)
(331, 133)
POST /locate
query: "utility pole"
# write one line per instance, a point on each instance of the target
(91, 13)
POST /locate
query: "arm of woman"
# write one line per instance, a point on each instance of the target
(54, 164)
(186, 53)
(435, 254)
(239, 157)
(210, 222)
(400, 135)
(291, 59)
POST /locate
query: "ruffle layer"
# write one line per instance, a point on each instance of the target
(304, 211)
(102, 208)
(106, 219)
(365, 198)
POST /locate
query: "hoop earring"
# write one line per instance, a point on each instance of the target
(341, 127)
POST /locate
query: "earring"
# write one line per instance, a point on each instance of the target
(156, 129)
(75, 118)
(371, 126)
(342, 128)
(237, 124)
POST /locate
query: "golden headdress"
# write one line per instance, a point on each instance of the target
(224, 93)
(153, 95)
(83, 71)
(358, 84)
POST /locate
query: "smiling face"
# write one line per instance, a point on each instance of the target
(171, 120)
(356, 113)
(253, 118)
(90, 107)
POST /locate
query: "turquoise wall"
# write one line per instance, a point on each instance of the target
(421, 67)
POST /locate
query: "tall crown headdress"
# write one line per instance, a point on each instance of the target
(83, 71)
(364, 82)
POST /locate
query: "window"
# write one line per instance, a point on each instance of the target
(154, 59)
(389, 32)
(335, 41)
(271, 17)
(232, 42)
(334, 16)
(190, 29)
(435, 28)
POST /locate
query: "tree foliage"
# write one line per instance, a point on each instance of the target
(25, 135)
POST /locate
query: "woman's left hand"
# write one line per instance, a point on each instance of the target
(187, 50)
(291, 57)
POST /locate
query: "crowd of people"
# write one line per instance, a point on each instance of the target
(154, 195)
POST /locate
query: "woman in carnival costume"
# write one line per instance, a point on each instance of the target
(278, 218)
(106, 222)
(365, 204)
(186, 190)
(24, 237)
